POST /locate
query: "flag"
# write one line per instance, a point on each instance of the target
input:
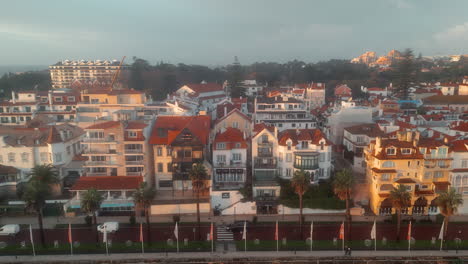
(276, 231)
(311, 229)
(342, 231)
(176, 231)
(408, 237)
(141, 232)
(211, 232)
(31, 235)
(70, 240)
(373, 232)
(441, 233)
(244, 234)
(104, 237)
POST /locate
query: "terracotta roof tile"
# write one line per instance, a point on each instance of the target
(296, 135)
(107, 183)
(104, 125)
(231, 136)
(167, 128)
(405, 180)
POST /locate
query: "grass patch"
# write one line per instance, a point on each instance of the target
(319, 196)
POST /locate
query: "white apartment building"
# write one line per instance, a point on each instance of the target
(24, 147)
(459, 173)
(251, 87)
(63, 73)
(283, 112)
(229, 168)
(306, 149)
(199, 96)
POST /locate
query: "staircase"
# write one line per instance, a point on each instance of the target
(223, 234)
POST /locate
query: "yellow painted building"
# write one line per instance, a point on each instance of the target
(422, 165)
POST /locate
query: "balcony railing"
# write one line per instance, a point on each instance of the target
(99, 151)
(97, 140)
(266, 198)
(265, 153)
(230, 164)
(306, 167)
(134, 173)
(437, 156)
(97, 163)
(134, 151)
(134, 162)
(267, 163)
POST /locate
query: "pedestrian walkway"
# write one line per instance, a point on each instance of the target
(223, 234)
(239, 257)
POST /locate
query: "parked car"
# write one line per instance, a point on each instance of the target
(9, 230)
(237, 226)
(109, 227)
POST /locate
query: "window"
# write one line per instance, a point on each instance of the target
(385, 177)
(237, 145)
(71, 98)
(288, 157)
(442, 151)
(406, 151)
(235, 124)
(1, 159)
(24, 157)
(220, 146)
(160, 167)
(236, 156)
(360, 139)
(68, 150)
(221, 158)
(169, 167)
(58, 157)
(44, 156)
(58, 99)
(322, 157)
(464, 163)
(98, 158)
(438, 174)
(132, 134)
(264, 138)
(168, 151)
(391, 151)
(288, 172)
(388, 164)
(159, 151)
(441, 163)
(11, 157)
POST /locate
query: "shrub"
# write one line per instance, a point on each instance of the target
(88, 220)
(132, 220)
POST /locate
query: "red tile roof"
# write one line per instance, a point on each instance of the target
(53, 136)
(460, 145)
(205, 87)
(107, 183)
(135, 125)
(104, 125)
(376, 170)
(296, 135)
(343, 90)
(234, 111)
(167, 128)
(405, 180)
(231, 136)
(461, 126)
(260, 127)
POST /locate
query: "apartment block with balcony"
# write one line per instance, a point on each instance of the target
(421, 165)
(265, 187)
(355, 141)
(115, 148)
(304, 149)
(283, 112)
(459, 174)
(230, 150)
(64, 73)
(177, 143)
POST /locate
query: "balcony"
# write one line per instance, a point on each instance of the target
(265, 198)
(99, 140)
(230, 164)
(99, 152)
(101, 163)
(134, 151)
(134, 162)
(186, 159)
(437, 156)
(265, 163)
(134, 173)
(306, 167)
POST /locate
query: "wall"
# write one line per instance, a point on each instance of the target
(243, 124)
(228, 204)
(164, 209)
(288, 210)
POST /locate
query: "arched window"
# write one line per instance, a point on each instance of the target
(388, 164)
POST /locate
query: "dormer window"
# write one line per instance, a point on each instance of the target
(289, 143)
(406, 151)
(422, 150)
(391, 151)
(237, 145)
(132, 134)
(220, 146)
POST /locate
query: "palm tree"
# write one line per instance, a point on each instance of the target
(143, 197)
(448, 203)
(198, 175)
(300, 182)
(401, 199)
(343, 185)
(90, 204)
(37, 190)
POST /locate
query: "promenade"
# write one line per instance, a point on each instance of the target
(240, 257)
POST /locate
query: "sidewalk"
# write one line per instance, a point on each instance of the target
(379, 256)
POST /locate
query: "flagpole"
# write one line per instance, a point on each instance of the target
(409, 237)
(277, 237)
(343, 236)
(70, 239)
(107, 247)
(244, 236)
(142, 239)
(311, 234)
(441, 235)
(211, 237)
(32, 240)
(375, 237)
(177, 237)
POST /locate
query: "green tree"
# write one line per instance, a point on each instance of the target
(343, 184)
(38, 189)
(448, 203)
(90, 203)
(235, 79)
(198, 175)
(143, 198)
(300, 182)
(401, 199)
(137, 69)
(405, 74)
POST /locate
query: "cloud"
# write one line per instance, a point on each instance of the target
(401, 4)
(46, 35)
(455, 33)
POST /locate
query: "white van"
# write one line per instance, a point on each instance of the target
(110, 227)
(9, 230)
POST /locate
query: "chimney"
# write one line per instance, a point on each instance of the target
(13, 97)
(409, 136)
(225, 110)
(378, 142)
(50, 98)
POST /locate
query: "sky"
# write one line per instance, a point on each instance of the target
(212, 32)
